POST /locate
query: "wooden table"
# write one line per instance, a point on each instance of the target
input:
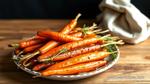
(132, 67)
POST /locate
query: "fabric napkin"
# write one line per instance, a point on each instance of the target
(123, 19)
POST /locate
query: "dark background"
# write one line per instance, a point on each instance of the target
(58, 9)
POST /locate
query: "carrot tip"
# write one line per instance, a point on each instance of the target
(77, 17)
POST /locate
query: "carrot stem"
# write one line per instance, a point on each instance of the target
(14, 45)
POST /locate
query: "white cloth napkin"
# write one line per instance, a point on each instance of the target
(124, 20)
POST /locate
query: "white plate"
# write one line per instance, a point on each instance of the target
(110, 59)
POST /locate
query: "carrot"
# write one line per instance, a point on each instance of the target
(79, 68)
(51, 44)
(42, 66)
(57, 36)
(27, 43)
(28, 49)
(77, 34)
(71, 25)
(71, 54)
(32, 48)
(40, 37)
(92, 56)
(76, 52)
(65, 30)
(69, 46)
(78, 29)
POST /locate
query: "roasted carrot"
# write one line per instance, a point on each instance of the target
(75, 69)
(24, 44)
(40, 37)
(78, 29)
(76, 52)
(65, 30)
(42, 66)
(29, 43)
(77, 34)
(57, 36)
(51, 44)
(71, 25)
(32, 48)
(73, 53)
(28, 49)
(92, 56)
(69, 46)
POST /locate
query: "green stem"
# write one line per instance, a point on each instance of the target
(57, 54)
(14, 45)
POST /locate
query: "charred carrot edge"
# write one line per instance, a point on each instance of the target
(75, 69)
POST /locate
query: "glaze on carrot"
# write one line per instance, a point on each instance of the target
(32, 48)
(92, 56)
(57, 36)
(70, 46)
(76, 52)
(42, 66)
(65, 30)
(75, 69)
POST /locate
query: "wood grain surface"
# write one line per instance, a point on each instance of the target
(132, 67)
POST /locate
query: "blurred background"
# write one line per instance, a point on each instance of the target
(57, 9)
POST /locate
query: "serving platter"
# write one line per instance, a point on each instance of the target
(111, 59)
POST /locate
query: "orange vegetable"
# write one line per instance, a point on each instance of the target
(79, 68)
(41, 66)
(76, 52)
(65, 30)
(57, 36)
(69, 46)
(77, 34)
(92, 56)
(32, 48)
